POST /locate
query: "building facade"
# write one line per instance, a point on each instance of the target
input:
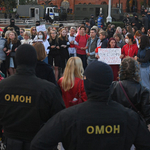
(126, 5)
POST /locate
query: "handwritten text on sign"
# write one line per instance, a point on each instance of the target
(41, 28)
(110, 56)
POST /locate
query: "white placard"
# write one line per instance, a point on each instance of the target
(41, 28)
(110, 56)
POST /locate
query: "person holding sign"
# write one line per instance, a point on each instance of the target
(112, 43)
(130, 49)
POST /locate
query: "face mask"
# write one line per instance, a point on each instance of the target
(12, 23)
(127, 41)
(40, 36)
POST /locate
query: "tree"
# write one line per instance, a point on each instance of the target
(8, 4)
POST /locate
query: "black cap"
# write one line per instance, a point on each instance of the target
(26, 55)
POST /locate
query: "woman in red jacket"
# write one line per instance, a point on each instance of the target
(71, 83)
(130, 49)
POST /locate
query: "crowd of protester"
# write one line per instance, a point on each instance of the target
(64, 53)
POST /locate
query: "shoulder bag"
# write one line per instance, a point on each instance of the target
(136, 110)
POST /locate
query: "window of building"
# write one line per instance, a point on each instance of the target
(78, 8)
(84, 9)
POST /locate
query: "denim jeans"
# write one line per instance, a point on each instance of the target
(145, 76)
(84, 60)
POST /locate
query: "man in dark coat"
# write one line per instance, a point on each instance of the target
(127, 20)
(136, 22)
(92, 21)
(97, 124)
(12, 24)
(145, 21)
(26, 101)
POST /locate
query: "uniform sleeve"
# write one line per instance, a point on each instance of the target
(57, 103)
(142, 137)
(145, 105)
(49, 136)
(51, 102)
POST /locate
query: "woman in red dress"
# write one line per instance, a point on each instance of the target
(71, 83)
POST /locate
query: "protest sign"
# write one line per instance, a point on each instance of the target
(110, 56)
(41, 28)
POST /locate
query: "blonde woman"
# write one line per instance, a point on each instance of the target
(26, 38)
(71, 83)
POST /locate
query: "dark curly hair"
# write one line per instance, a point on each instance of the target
(129, 69)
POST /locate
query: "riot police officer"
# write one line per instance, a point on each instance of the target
(26, 101)
(12, 24)
(98, 123)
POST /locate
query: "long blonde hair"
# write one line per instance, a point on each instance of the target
(74, 68)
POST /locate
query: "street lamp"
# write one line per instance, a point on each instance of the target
(109, 18)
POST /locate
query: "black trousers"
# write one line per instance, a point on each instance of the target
(13, 144)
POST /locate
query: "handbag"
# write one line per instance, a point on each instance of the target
(77, 99)
(12, 54)
(141, 116)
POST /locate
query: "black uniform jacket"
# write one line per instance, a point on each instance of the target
(26, 103)
(93, 125)
(137, 94)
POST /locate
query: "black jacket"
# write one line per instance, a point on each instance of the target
(92, 22)
(26, 103)
(44, 71)
(94, 125)
(137, 94)
(104, 43)
(7, 45)
(53, 51)
(145, 22)
(136, 22)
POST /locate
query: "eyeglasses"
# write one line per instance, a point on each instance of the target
(33, 29)
(21, 32)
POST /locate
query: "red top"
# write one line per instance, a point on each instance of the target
(81, 40)
(69, 95)
(129, 50)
